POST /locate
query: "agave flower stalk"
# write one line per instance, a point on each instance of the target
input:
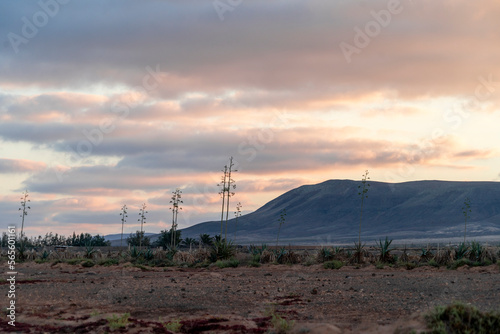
(123, 219)
(362, 192)
(142, 219)
(24, 208)
(226, 185)
(176, 200)
(237, 214)
(466, 210)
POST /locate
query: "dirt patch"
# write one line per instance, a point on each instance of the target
(73, 299)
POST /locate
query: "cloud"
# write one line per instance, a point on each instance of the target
(20, 166)
(157, 95)
(292, 45)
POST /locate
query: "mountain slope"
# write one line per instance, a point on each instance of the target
(330, 211)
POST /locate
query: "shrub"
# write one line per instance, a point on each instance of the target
(334, 264)
(116, 322)
(290, 257)
(173, 326)
(410, 265)
(108, 262)
(459, 263)
(433, 263)
(232, 263)
(56, 262)
(460, 318)
(255, 264)
(280, 324)
(74, 261)
(444, 256)
(88, 264)
(267, 256)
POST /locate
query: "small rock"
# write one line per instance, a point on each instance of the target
(314, 291)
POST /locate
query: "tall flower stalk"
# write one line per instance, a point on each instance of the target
(281, 220)
(123, 219)
(466, 210)
(176, 200)
(24, 208)
(226, 185)
(142, 219)
(237, 214)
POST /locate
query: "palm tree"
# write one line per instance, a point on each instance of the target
(206, 240)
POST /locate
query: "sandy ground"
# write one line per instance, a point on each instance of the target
(71, 299)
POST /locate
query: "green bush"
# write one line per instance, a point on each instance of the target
(116, 322)
(74, 261)
(108, 262)
(173, 326)
(88, 264)
(334, 264)
(459, 263)
(38, 261)
(459, 318)
(255, 264)
(232, 263)
(280, 324)
(433, 263)
(410, 265)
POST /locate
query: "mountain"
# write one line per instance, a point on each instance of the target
(111, 237)
(115, 239)
(329, 212)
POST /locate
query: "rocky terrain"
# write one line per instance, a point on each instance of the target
(63, 298)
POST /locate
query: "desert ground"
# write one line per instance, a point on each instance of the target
(57, 297)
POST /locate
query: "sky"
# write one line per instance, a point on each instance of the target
(106, 103)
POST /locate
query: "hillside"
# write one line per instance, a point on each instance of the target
(329, 212)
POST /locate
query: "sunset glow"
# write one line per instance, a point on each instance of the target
(111, 104)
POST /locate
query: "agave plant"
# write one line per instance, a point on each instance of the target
(325, 254)
(461, 251)
(476, 251)
(359, 250)
(222, 250)
(148, 254)
(426, 254)
(89, 250)
(135, 253)
(385, 250)
(280, 254)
